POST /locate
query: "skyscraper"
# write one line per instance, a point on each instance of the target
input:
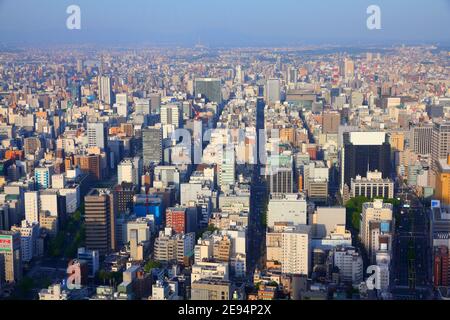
(152, 147)
(421, 136)
(281, 181)
(331, 120)
(99, 221)
(364, 152)
(273, 91)
(10, 257)
(97, 135)
(171, 114)
(122, 104)
(440, 146)
(105, 90)
(32, 206)
(227, 168)
(210, 88)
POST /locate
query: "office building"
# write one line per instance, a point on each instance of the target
(350, 265)
(43, 177)
(209, 88)
(152, 144)
(374, 186)
(171, 247)
(105, 93)
(97, 135)
(364, 152)
(130, 171)
(273, 91)
(290, 246)
(376, 227)
(281, 181)
(122, 104)
(10, 257)
(171, 114)
(29, 233)
(443, 181)
(421, 136)
(99, 222)
(325, 220)
(331, 120)
(32, 206)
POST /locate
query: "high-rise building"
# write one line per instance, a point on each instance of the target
(292, 75)
(281, 181)
(331, 120)
(29, 233)
(122, 104)
(130, 171)
(99, 221)
(440, 146)
(273, 91)
(443, 181)
(290, 245)
(376, 226)
(152, 139)
(210, 88)
(421, 136)
(350, 264)
(43, 177)
(227, 168)
(32, 206)
(171, 247)
(171, 114)
(155, 103)
(349, 68)
(90, 164)
(10, 257)
(97, 135)
(123, 196)
(364, 152)
(176, 218)
(105, 93)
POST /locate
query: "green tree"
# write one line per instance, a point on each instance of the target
(152, 264)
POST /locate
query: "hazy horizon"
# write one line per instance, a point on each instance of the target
(224, 23)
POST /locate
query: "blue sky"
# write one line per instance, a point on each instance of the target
(220, 22)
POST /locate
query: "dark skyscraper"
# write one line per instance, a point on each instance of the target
(152, 146)
(364, 152)
(99, 216)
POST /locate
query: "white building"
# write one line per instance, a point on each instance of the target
(350, 264)
(32, 206)
(29, 233)
(171, 114)
(290, 246)
(210, 270)
(122, 104)
(129, 171)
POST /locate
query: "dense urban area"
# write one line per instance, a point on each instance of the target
(309, 173)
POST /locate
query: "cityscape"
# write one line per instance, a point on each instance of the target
(314, 171)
